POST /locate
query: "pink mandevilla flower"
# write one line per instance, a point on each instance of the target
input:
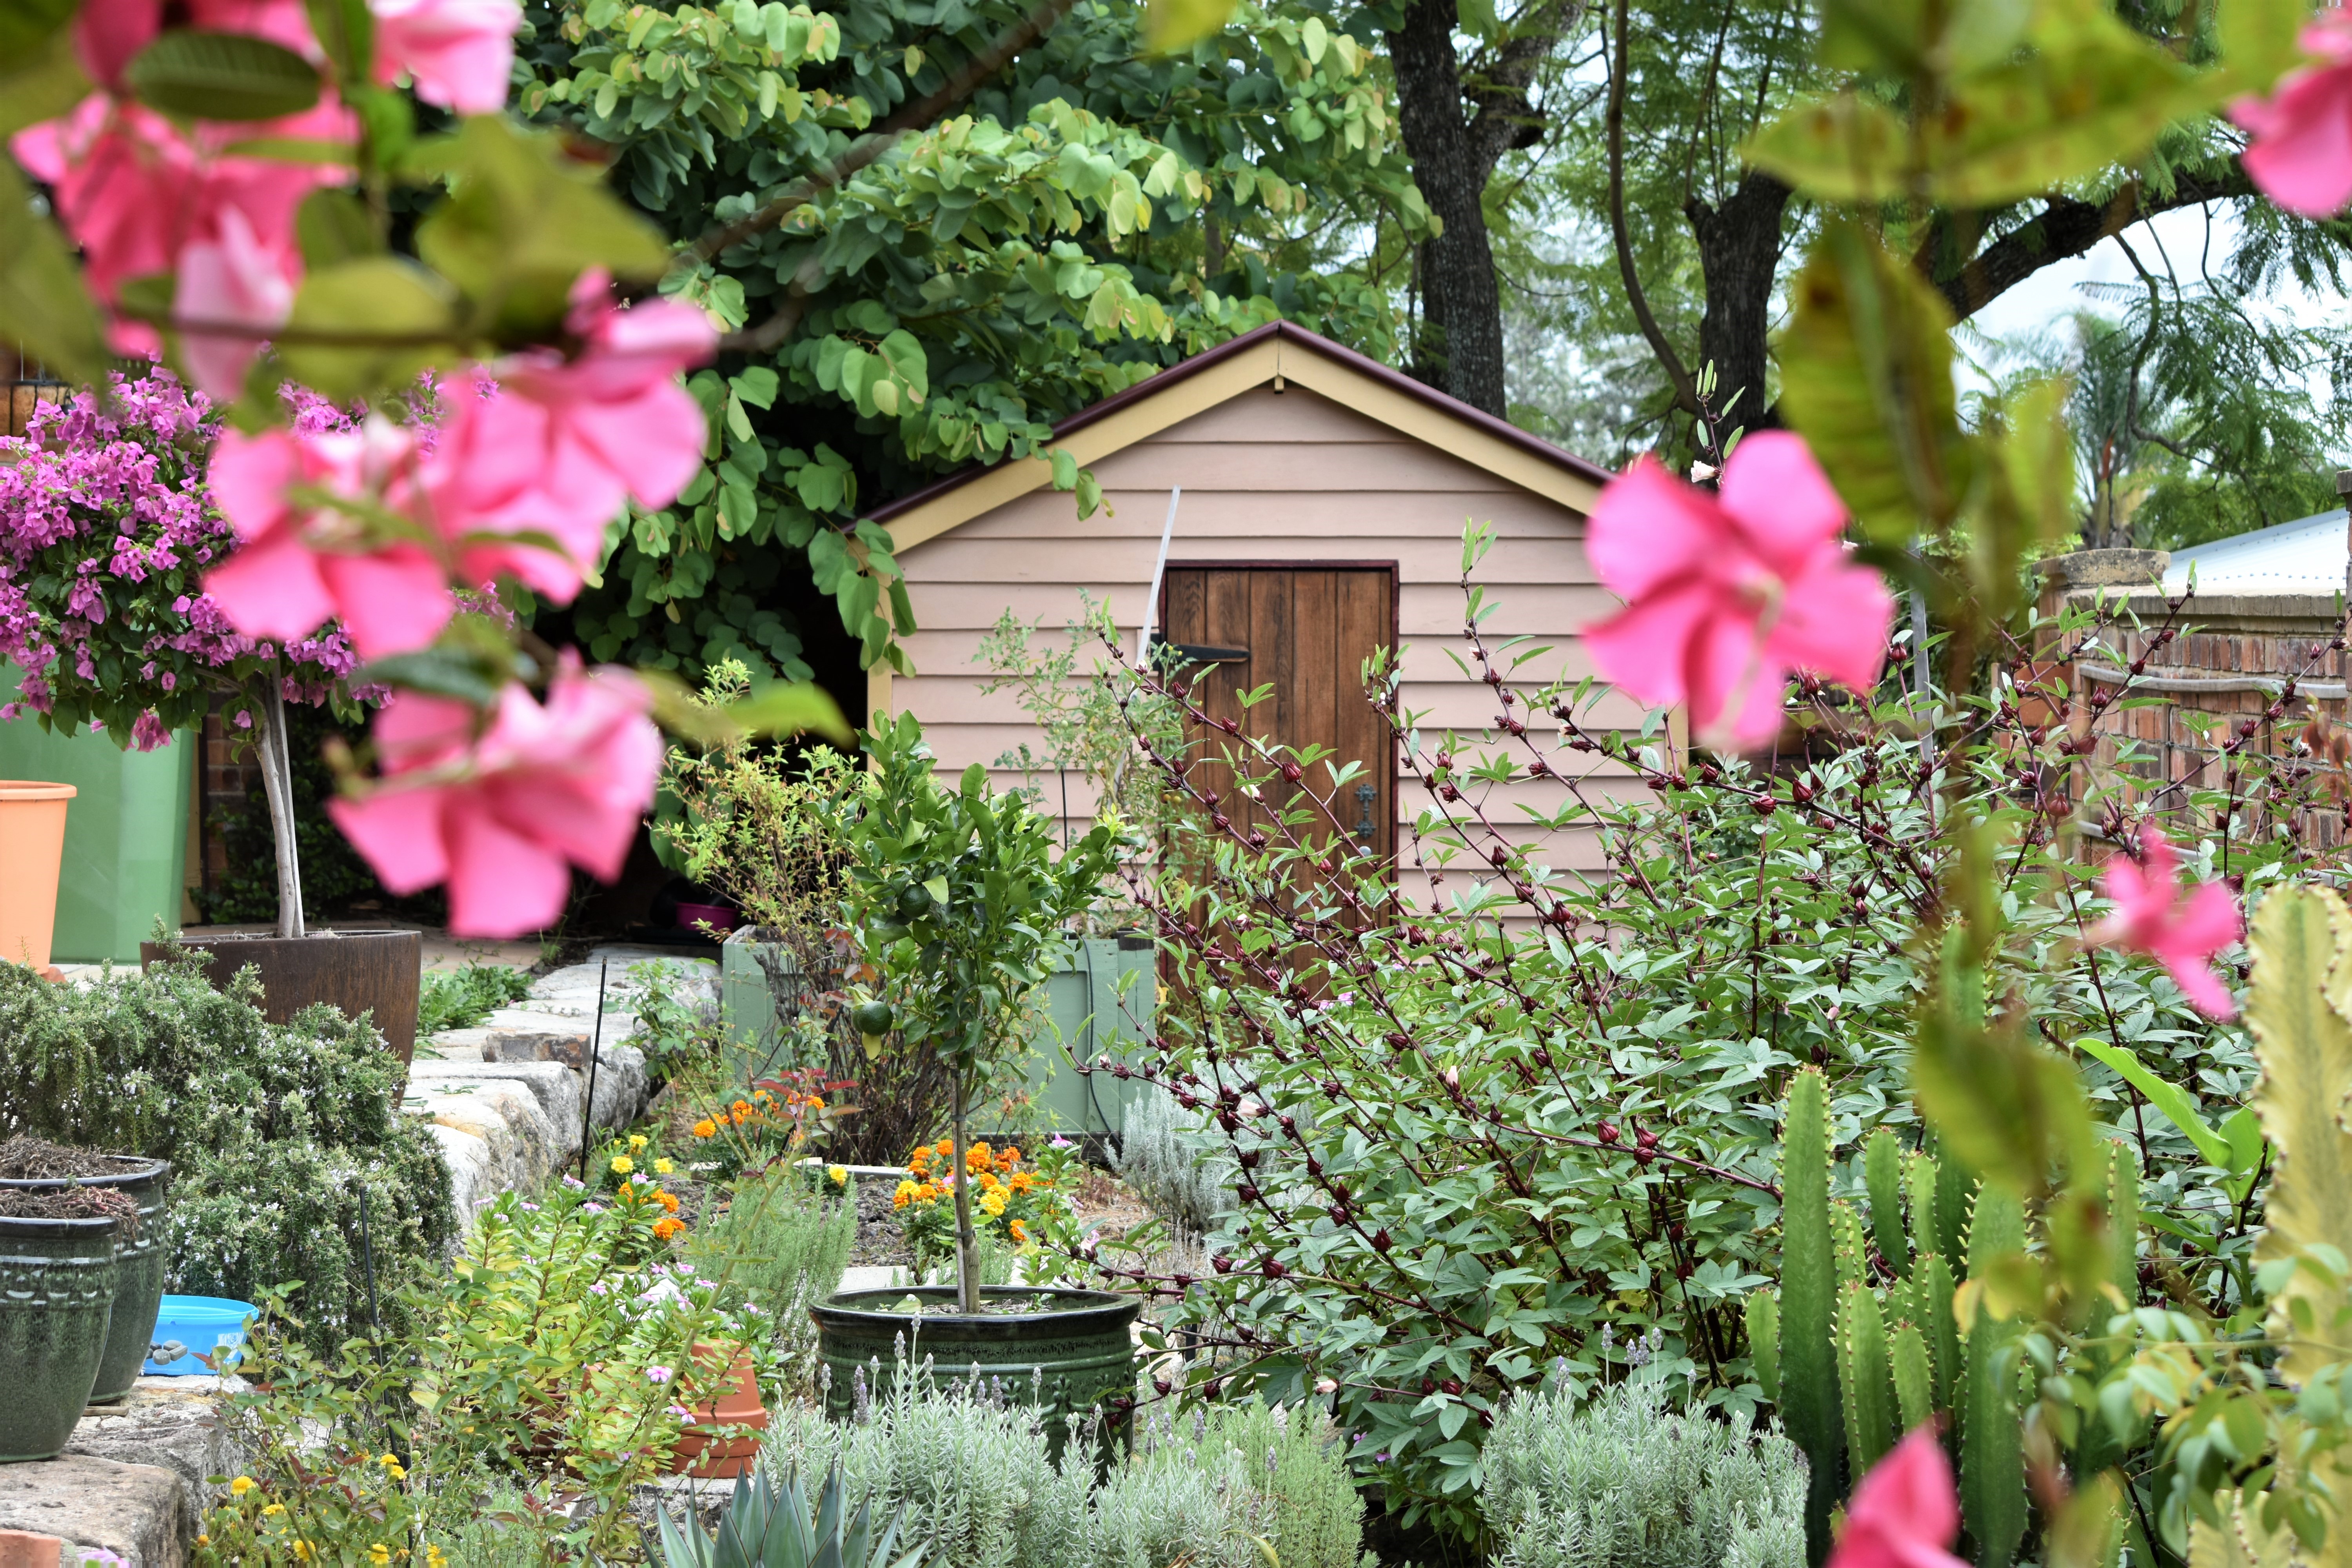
(557, 445)
(499, 817)
(458, 53)
(1905, 1513)
(230, 277)
(297, 566)
(1726, 594)
(2183, 934)
(2302, 153)
(108, 33)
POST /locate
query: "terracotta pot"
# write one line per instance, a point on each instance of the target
(32, 845)
(722, 1455)
(359, 971)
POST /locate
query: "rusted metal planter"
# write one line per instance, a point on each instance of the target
(357, 971)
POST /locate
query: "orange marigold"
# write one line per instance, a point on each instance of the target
(1019, 1231)
(706, 1128)
(1009, 1159)
(979, 1157)
(666, 1227)
(1021, 1181)
(987, 1183)
(669, 1201)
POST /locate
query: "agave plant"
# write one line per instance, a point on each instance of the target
(767, 1525)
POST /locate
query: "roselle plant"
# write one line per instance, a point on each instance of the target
(963, 899)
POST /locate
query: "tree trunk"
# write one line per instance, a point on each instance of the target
(967, 1244)
(1460, 348)
(1739, 255)
(277, 789)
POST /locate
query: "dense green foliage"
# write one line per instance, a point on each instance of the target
(463, 998)
(1088, 215)
(275, 1133)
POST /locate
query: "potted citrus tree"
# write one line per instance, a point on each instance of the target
(107, 525)
(962, 900)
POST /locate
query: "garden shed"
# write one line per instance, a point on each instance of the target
(1324, 498)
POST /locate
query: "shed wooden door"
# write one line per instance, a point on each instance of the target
(1306, 630)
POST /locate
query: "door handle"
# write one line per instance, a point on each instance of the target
(1365, 796)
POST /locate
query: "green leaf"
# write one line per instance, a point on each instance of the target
(1842, 148)
(1172, 24)
(1065, 469)
(41, 82)
(397, 318)
(43, 304)
(1866, 376)
(2258, 39)
(790, 709)
(222, 76)
(27, 28)
(346, 30)
(2171, 1101)
(332, 227)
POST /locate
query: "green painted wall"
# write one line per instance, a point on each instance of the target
(126, 832)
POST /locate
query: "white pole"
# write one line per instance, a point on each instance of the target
(1158, 569)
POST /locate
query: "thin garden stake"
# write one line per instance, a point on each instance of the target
(367, 1263)
(596, 1053)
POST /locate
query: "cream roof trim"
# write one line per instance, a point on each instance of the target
(1275, 356)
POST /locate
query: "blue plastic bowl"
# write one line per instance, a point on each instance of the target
(204, 1324)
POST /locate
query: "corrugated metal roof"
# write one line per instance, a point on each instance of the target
(2305, 556)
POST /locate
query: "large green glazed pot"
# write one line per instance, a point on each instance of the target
(1073, 1353)
(139, 1279)
(56, 1294)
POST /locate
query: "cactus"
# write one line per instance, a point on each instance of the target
(1882, 1175)
(1853, 1254)
(1941, 1329)
(2302, 997)
(1955, 1194)
(1992, 1459)
(1865, 1384)
(1914, 1381)
(1919, 1173)
(1808, 1370)
(1764, 1341)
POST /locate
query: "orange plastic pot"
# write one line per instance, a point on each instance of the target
(32, 845)
(734, 1419)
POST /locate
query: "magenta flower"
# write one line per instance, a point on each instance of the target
(232, 278)
(2301, 151)
(1726, 595)
(458, 53)
(1905, 1513)
(556, 445)
(2151, 916)
(498, 815)
(297, 565)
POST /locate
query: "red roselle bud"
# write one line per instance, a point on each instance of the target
(1222, 1265)
(1292, 773)
(1161, 1385)
(1273, 1269)
(1249, 1159)
(1380, 1242)
(1452, 1385)
(1645, 1137)
(1608, 1132)
(1401, 1041)
(1289, 1126)
(1247, 1193)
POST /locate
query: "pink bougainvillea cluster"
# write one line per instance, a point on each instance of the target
(106, 530)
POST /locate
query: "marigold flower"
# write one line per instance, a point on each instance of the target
(979, 1158)
(901, 1193)
(636, 1142)
(706, 1128)
(379, 1553)
(1009, 1159)
(838, 1174)
(663, 1167)
(242, 1485)
(926, 1193)
(992, 1203)
(987, 1184)
(1021, 1181)
(669, 1201)
(272, 1509)
(815, 1103)
(1019, 1231)
(946, 1147)
(666, 1227)
(622, 1164)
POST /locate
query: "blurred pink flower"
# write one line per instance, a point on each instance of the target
(1905, 1513)
(2151, 916)
(498, 818)
(560, 444)
(1726, 594)
(232, 278)
(296, 566)
(108, 33)
(2301, 151)
(658, 1374)
(458, 53)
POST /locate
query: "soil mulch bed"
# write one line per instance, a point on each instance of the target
(880, 1241)
(71, 1202)
(38, 1160)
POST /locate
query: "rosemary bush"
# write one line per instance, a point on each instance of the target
(782, 1243)
(1623, 1481)
(1167, 1155)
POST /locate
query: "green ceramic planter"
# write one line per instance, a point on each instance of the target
(1075, 1354)
(56, 1295)
(139, 1279)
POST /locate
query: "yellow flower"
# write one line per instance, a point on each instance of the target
(622, 1164)
(390, 1461)
(302, 1551)
(379, 1554)
(204, 1539)
(992, 1203)
(396, 1473)
(838, 1174)
(273, 1510)
(706, 1128)
(636, 1142)
(433, 1557)
(663, 1167)
(902, 1194)
(242, 1485)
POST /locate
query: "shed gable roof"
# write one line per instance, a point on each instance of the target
(1277, 352)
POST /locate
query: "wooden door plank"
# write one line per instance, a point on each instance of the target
(1366, 618)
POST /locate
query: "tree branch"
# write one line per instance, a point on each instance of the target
(1686, 390)
(2064, 228)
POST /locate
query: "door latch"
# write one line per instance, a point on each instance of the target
(1365, 796)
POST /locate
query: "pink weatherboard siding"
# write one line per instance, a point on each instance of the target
(1268, 478)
